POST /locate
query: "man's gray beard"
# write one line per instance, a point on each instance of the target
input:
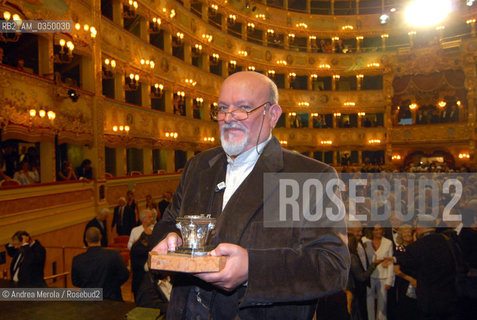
(233, 149)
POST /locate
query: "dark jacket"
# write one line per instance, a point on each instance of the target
(100, 268)
(31, 264)
(104, 232)
(430, 261)
(289, 267)
(124, 226)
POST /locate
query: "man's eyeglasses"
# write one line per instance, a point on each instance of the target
(238, 114)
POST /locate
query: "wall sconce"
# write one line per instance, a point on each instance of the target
(157, 90)
(373, 65)
(209, 139)
(359, 38)
(413, 106)
(178, 39)
(337, 114)
(396, 157)
(347, 27)
(154, 25)
(326, 142)
(361, 114)
(41, 114)
(336, 77)
(148, 63)
(349, 104)
(271, 73)
(458, 103)
(199, 101)
(270, 32)
(464, 156)
(359, 76)
(324, 66)
(190, 82)
(197, 50)
(108, 68)
(292, 76)
(231, 18)
(335, 38)
(251, 68)
(384, 36)
(180, 95)
(213, 9)
(132, 82)
(441, 104)
(283, 142)
(129, 9)
(171, 135)
(172, 14)
(314, 77)
(66, 54)
(232, 65)
(282, 62)
(243, 53)
(261, 16)
(10, 36)
(312, 37)
(122, 129)
(302, 25)
(207, 37)
(303, 104)
(250, 26)
(314, 114)
(291, 37)
(214, 59)
(374, 141)
(292, 114)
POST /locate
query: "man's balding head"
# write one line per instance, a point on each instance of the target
(93, 236)
(247, 91)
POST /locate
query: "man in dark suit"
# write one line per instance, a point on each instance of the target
(270, 273)
(28, 260)
(430, 260)
(99, 222)
(124, 218)
(99, 268)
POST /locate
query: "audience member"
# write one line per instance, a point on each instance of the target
(26, 175)
(28, 260)
(10, 160)
(67, 172)
(148, 219)
(405, 299)
(85, 171)
(358, 280)
(139, 246)
(131, 204)
(378, 248)
(99, 222)
(123, 218)
(99, 268)
(164, 203)
(151, 205)
(431, 261)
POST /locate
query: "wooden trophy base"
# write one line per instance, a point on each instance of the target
(185, 263)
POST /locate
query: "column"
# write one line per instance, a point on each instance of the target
(119, 83)
(168, 100)
(143, 34)
(189, 106)
(205, 12)
(335, 158)
(358, 43)
(147, 160)
(167, 157)
(360, 157)
(47, 161)
(243, 31)
(167, 42)
(187, 53)
(118, 13)
(45, 52)
(121, 165)
(87, 78)
(146, 95)
(190, 154)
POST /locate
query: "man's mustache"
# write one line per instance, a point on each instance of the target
(233, 126)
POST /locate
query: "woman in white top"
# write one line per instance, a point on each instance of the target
(25, 175)
(382, 279)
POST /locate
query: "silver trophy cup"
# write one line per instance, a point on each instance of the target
(195, 231)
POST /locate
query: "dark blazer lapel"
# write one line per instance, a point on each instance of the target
(210, 178)
(247, 200)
